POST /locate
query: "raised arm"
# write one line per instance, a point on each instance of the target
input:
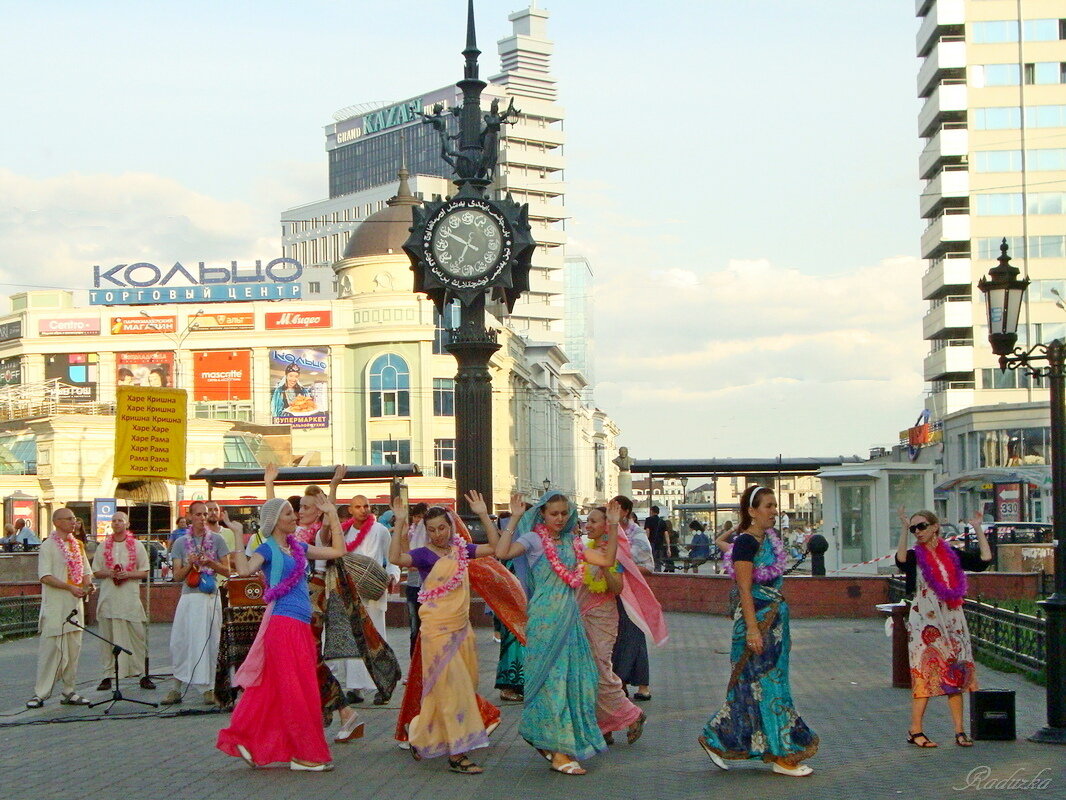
(982, 541)
(505, 548)
(270, 474)
(246, 566)
(336, 548)
(338, 475)
(480, 507)
(904, 524)
(399, 546)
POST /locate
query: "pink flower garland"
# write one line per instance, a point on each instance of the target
(131, 554)
(459, 546)
(289, 582)
(71, 548)
(206, 547)
(942, 572)
(571, 577)
(770, 572)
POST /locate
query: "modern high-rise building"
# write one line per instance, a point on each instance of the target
(992, 80)
(367, 144)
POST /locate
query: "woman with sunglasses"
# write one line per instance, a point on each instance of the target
(941, 658)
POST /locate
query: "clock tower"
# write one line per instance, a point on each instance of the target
(469, 248)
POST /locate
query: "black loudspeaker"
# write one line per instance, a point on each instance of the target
(992, 714)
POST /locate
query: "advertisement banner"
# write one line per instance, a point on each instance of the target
(10, 371)
(222, 375)
(123, 325)
(290, 320)
(11, 330)
(155, 368)
(79, 372)
(68, 326)
(300, 393)
(245, 321)
(150, 431)
(103, 510)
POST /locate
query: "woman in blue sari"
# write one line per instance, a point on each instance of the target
(561, 681)
(759, 719)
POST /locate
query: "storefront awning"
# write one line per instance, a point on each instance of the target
(1037, 475)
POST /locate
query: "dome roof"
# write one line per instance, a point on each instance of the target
(384, 232)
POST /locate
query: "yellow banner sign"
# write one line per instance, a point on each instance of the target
(150, 432)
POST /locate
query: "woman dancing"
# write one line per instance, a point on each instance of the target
(630, 657)
(759, 719)
(278, 717)
(448, 720)
(938, 640)
(559, 715)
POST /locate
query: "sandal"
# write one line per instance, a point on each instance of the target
(717, 759)
(913, 737)
(640, 697)
(511, 696)
(608, 737)
(464, 766)
(74, 699)
(34, 702)
(414, 751)
(246, 756)
(637, 728)
(569, 768)
(546, 753)
(962, 740)
(798, 771)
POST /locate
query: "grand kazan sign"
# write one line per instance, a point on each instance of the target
(144, 283)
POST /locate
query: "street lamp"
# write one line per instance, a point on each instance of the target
(547, 484)
(1004, 291)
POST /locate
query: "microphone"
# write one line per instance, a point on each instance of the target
(71, 615)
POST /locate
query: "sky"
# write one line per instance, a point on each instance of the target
(742, 175)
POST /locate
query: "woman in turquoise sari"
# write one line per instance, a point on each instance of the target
(759, 719)
(559, 715)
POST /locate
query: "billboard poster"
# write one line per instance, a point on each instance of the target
(11, 330)
(153, 368)
(10, 371)
(244, 321)
(103, 510)
(79, 373)
(125, 325)
(290, 320)
(299, 395)
(68, 326)
(1008, 502)
(222, 375)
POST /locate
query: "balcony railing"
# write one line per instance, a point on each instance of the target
(46, 399)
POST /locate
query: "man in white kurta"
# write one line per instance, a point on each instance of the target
(352, 672)
(119, 611)
(194, 636)
(63, 586)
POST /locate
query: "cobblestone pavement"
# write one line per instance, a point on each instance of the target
(840, 679)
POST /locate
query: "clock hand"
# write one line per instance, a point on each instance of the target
(464, 242)
(453, 236)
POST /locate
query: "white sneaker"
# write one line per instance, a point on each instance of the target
(404, 745)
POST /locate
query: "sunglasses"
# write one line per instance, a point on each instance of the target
(921, 526)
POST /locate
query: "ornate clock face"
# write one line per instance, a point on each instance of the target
(467, 243)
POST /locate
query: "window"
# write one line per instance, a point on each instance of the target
(390, 451)
(1045, 203)
(238, 453)
(1041, 30)
(996, 205)
(444, 457)
(998, 160)
(443, 397)
(1045, 116)
(1044, 72)
(314, 287)
(995, 31)
(1002, 74)
(997, 118)
(445, 324)
(390, 387)
(1039, 247)
(1046, 160)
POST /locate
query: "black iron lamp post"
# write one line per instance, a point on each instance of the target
(547, 483)
(468, 247)
(1004, 292)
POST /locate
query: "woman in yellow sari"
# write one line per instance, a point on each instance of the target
(449, 721)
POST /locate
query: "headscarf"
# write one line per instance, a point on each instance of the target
(268, 519)
(535, 515)
(637, 597)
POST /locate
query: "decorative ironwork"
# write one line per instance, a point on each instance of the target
(19, 615)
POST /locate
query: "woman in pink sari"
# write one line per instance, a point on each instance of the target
(278, 717)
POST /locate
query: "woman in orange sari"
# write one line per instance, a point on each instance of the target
(448, 716)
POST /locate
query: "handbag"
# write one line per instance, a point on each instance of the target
(369, 576)
(192, 578)
(207, 583)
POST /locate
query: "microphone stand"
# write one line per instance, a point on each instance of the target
(116, 651)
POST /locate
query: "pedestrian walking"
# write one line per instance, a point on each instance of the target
(630, 656)
(938, 641)
(759, 719)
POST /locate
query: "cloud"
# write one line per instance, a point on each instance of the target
(54, 230)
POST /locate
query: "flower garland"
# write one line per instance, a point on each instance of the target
(571, 577)
(71, 548)
(364, 529)
(206, 547)
(307, 533)
(430, 595)
(289, 582)
(943, 572)
(765, 574)
(131, 554)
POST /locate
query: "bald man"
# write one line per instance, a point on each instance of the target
(367, 537)
(66, 578)
(120, 564)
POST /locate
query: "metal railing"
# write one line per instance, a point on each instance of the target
(1005, 634)
(45, 399)
(18, 615)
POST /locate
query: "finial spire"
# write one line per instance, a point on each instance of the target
(471, 52)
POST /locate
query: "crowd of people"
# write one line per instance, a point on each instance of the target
(572, 609)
